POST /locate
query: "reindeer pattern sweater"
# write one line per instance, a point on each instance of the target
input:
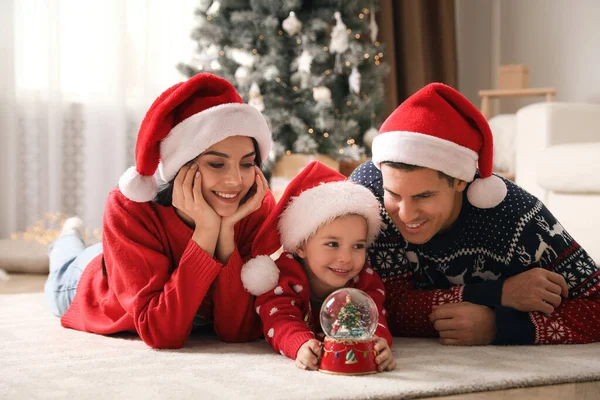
(471, 260)
(152, 278)
(290, 318)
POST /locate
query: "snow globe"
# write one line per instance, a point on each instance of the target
(349, 319)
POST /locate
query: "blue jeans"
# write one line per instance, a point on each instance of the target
(68, 259)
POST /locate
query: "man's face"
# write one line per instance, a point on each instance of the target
(420, 202)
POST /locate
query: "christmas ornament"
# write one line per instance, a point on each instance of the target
(349, 320)
(271, 72)
(204, 4)
(354, 81)
(212, 51)
(373, 28)
(339, 41)
(214, 9)
(305, 61)
(242, 75)
(322, 95)
(215, 65)
(256, 99)
(241, 57)
(369, 136)
(339, 35)
(292, 24)
(201, 61)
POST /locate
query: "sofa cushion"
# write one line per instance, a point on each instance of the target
(570, 168)
(504, 130)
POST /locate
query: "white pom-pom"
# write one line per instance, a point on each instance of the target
(136, 187)
(259, 275)
(487, 193)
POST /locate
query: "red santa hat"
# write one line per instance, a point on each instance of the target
(439, 128)
(185, 120)
(316, 196)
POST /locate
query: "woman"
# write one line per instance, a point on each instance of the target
(170, 260)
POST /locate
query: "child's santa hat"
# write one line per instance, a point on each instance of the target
(440, 129)
(183, 122)
(315, 197)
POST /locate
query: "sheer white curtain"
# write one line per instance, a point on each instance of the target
(76, 81)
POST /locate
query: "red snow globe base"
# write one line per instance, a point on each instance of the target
(349, 319)
(342, 357)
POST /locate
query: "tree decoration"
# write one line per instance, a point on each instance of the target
(292, 25)
(256, 98)
(354, 81)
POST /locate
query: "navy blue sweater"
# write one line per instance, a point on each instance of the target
(471, 261)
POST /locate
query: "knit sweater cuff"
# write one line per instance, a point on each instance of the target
(487, 293)
(233, 267)
(295, 341)
(513, 327)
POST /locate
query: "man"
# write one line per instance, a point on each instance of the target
(466, 255)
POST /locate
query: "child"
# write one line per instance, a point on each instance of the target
(325, 224)
(171, 259)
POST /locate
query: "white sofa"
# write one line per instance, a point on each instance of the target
(557, 159)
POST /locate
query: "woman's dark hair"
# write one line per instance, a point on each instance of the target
(164, 197)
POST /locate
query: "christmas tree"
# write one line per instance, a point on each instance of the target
(349, 320)
(314, 68)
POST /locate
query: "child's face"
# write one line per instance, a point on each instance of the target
(228, 173)
(335, 254)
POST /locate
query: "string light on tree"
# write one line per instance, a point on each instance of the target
(277, 63)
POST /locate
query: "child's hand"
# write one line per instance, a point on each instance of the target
(308, 355)
(384, 359)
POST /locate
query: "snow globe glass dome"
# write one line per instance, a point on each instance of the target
(349, 314)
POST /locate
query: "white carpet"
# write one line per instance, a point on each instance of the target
(40, 359)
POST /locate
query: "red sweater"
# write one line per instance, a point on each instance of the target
(156, 278)
(289, 321)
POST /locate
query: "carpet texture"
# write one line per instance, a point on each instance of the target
(40, 359)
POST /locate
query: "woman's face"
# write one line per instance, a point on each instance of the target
(228, 173)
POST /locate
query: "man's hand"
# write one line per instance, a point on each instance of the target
(308, 355)
(384, 360)
(535, 290)
(464, 324)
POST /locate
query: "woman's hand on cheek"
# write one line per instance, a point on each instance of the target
(252, 204)
(187, 197)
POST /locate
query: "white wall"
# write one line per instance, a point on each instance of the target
(559, 40)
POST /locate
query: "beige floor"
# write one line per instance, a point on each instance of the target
(19, 283)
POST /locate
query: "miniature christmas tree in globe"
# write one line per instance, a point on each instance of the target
(349, 319)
